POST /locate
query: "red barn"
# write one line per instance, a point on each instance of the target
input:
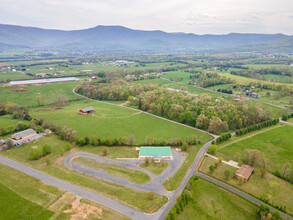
(94, 78)
(86, 110)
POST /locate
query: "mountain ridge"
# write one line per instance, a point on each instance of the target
(103, 37)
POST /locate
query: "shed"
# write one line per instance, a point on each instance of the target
(244, 171)
(155, 153)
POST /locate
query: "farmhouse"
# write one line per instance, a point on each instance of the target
(244, 171)
(23, 134)
(87, 110)
(155, 153)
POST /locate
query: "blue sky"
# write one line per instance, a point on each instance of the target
(189, 16)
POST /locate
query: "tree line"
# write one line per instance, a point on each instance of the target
(203, 111)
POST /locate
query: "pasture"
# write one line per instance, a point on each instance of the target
(275, 145)
(27, 95)
(10, 202)
(115, 121)
(9, 76)
(276, 190)
(8, 121)
(212, 202)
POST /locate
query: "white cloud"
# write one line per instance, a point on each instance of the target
(192, 16)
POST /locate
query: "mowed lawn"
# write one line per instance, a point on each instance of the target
(115, 121)
(30, 93)
(275, 145)
(7, 120)
(212, 202)
(15, 207)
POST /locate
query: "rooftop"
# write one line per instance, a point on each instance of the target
(245, 171)
(38, 81)
(155, 151)
(88, 109)
(23, 133)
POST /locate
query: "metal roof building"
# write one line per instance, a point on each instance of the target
(23, 134)
(40, 81)
(155, 152)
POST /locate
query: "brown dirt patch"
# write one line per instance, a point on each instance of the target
(48, 110)
(18, 90)
(85, 211)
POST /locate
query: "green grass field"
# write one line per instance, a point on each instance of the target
(44, 91)
(53, 165)
(33, 193)
(278, 191)
(10, 76)
(178, 85)
(115, 121)
(211, 202)
(155, 168)
(275, 146)
(131, 175)
(174, 181)
(15, 207)
(7, 120)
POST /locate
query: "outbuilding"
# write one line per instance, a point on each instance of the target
(155, 153)
(87, 110)
(23, 134)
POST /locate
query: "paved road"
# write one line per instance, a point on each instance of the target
(147, 113)
(155, 185)
(285, 122)
(191, 171)
(81, 192)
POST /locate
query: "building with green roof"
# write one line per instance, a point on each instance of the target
(155, 153)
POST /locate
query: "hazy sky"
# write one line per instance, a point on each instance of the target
(190, 16)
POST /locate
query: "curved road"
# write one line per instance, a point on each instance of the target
(155, 185)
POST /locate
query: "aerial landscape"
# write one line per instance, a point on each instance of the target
(146, 110)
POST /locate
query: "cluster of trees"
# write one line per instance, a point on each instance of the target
(286, 173)
(265, 213)
(202, 112)
(251, 72)
(209, 79)
(64, 132)
(131, 141)
(286, 117)
(38, 152)
(262, 73)
(217, 163)
(117, 90)
(182, 200)
(257, 127)
(223, 138)
(227, 91)
(15, 110)
(19, 127)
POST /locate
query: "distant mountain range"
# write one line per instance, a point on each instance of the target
(122, 38)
